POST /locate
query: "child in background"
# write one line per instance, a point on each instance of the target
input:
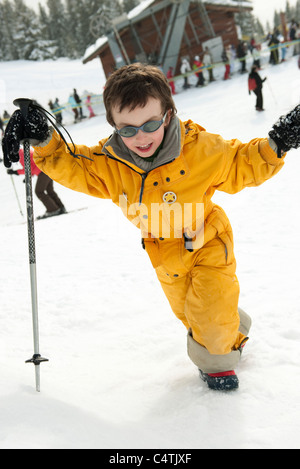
(88, 104)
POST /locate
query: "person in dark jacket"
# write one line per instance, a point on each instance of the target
(78, 101)
(43, 189)
(254, 75)
(273, 44)
(242, 53)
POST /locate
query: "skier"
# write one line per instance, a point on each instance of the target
(196, 66)
(73, 105)
(89, 106)
(58, 114)
(207, 62)
(153, 161)
(226, 63)
(255, 78)
(43, 188)
(185, 68)
(170, 75)
(78, 101)
(273, 44)
(242, 53)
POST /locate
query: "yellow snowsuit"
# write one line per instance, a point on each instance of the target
(193, 258)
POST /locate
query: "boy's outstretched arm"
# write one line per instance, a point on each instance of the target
(52, 155)
(251, 164)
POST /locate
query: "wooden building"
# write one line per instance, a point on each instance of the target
(162, 32)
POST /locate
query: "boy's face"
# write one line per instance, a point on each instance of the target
(144, 144)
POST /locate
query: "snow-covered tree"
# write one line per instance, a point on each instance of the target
(58, 25)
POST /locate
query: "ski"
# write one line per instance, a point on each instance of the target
(47, 218)
(43, 217)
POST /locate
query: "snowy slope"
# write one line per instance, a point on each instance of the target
(119, 375)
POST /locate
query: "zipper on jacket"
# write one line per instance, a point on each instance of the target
(144, 175)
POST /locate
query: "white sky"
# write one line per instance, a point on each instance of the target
(263, 9)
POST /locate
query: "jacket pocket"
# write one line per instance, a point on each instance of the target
(226, 239)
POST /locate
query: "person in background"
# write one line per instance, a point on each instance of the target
(43, 189)
(226, 63)
(88, 104)
(207, 62)
(73, 105)
(185, 68)
(197, 66)
(241, 54)
(273, 44)
(255, 84)
(78, 102)
(58, 113)
(170, 75)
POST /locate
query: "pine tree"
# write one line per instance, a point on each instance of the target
(2, 37)
(258, 28)
(129, 5)
(288, 12)
(9, 50)
(57, 26)
(72, 36)
(43, 20)
(277, 21)
(25, 35)
(297, 13)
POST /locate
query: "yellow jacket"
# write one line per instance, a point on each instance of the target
(191, 166)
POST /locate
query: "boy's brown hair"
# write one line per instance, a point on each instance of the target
(132, 85)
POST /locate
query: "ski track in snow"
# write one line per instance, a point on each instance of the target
(119, 375)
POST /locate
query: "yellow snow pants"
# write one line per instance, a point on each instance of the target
(203, 291)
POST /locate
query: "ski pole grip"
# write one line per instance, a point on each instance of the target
(23, 104)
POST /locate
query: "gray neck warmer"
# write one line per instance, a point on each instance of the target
(170, 150)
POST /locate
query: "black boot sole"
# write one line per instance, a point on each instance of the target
(222, 383)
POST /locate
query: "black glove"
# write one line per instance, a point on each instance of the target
(33, 127)
(286, 131)
(11, 172)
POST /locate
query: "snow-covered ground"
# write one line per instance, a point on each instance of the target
(119, 375)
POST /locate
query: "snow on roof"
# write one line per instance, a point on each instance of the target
(94, 47)
(231, 3)
(139, 8)
(146, 3)
(103, 39)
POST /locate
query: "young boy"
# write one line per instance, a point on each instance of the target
(163, 173)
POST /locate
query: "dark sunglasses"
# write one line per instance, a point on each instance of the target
(148, 127)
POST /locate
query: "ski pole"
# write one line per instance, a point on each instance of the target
(36, 359)
(16, 194)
